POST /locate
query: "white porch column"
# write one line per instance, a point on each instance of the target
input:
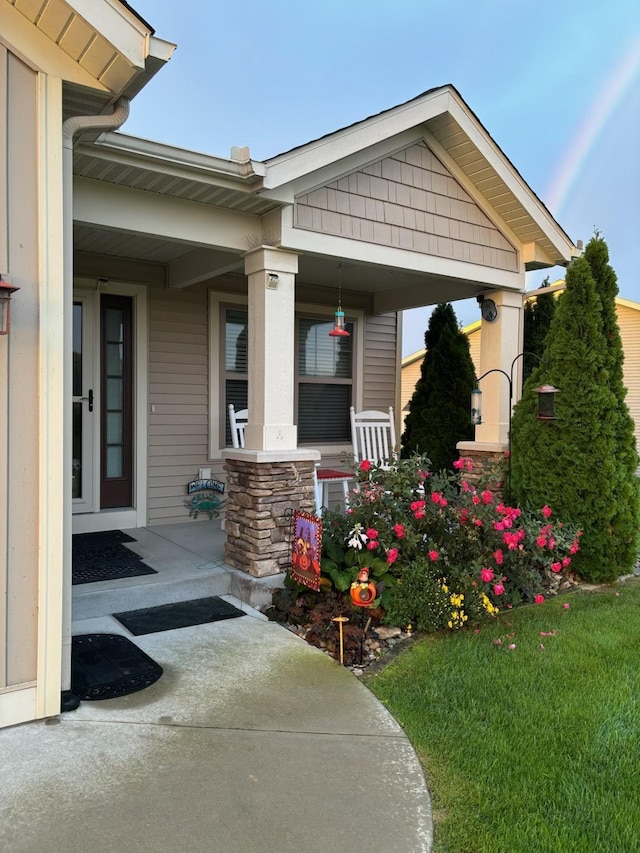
(501, 343)
(271, 276)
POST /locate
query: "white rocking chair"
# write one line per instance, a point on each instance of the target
(373, 435)
(237, 422)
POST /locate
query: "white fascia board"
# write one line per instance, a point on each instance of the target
(133, 150)
(323, 152)
(151, 214)
(118, 25)
(39, 52)
(299, 240)
(521, 190)
(161, 49)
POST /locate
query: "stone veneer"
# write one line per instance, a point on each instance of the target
(257, 524)
(485, 462)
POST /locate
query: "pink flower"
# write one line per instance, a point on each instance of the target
(422, 475)
(464, 516)
(365, 465)
(458, 464)
(498, 556)
(372, 533)
(512, 646)
(552, 543)
(398, 529)
(433, 556)
(575, 547)
(466, 487)
(417, 505)
(487, 497)
(477, 522)
(498, 589)
(566, 562)
(372, 545)
(392, 555)
(546, 511)
(566, 605)
(469, 464)
(539, 599)
(541, 541)
(556, 567)
(486, 575)
(475, 500)
(498, 525)
(419, 513)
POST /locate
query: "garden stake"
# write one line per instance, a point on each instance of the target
(340, 620)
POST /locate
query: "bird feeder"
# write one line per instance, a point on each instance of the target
(546, 402)
(476, 407)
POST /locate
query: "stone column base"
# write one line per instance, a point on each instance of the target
(489, 460)
(261, 487)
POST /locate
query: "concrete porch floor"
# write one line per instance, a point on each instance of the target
(189, 561)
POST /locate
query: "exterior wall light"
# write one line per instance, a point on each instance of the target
(6, 291)
(546, 402)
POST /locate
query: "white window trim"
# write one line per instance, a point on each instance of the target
(218, 299)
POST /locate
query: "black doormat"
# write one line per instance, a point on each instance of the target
(181, 614)
(104, 666)
(103, 557)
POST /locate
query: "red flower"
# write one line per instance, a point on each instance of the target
(539, 599)
(541, 541)
(487, 497)
(487, 575)
(458, 464)
(398, 529)
(417, 505)
(546, 511)
(372, 533)
(566, 562)
(433, 556)
(498, 556)
(392, 555)
(372, 545)
(498, 589)
(365, 465)
(419, 513)
(556, 567)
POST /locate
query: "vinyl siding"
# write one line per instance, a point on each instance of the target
(411, 201)
(380, 371)
(178, 437)
(629, 322)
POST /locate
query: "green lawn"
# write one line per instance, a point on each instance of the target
(529, 749)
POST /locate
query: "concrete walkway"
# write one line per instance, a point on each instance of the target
(251, 741)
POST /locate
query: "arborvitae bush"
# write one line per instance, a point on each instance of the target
(627, 486)
(438, 415)
(571, 463)
(538, 315)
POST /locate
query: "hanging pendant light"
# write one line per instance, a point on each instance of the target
(339, 330)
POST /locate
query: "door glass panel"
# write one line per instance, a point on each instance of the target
(77, 349)
(114, 381)
(114, 394)
(115, 460)
(114, 359)
(76, 475)
(114, 428)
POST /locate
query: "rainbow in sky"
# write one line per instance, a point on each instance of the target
(610, 95)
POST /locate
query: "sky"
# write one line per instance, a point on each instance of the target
(555, 82)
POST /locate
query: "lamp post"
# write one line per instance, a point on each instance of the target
(546, 405)
(6, 292)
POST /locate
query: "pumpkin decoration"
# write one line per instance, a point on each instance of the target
(363, 591)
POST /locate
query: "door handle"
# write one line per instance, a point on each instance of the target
(89, 399)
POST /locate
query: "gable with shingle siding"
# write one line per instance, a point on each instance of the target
(408, 200)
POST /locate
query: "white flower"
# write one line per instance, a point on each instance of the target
(358, 539)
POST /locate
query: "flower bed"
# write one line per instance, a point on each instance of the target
(442, 553)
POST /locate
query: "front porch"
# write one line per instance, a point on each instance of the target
(189, 563)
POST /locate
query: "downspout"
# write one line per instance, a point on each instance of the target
(70, 128)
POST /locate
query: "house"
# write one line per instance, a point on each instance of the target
(628, 314)
(157, 285)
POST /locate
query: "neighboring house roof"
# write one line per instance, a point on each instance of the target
(419, 354)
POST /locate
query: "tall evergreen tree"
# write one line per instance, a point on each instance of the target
(570, 463)
(438, 415)
(538, 315)
(626, 489)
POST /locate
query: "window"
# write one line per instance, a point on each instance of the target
(324, 380)
(324, 375)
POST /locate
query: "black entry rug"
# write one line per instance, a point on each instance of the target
(103, 557)
(104, 666)
(181, 614)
